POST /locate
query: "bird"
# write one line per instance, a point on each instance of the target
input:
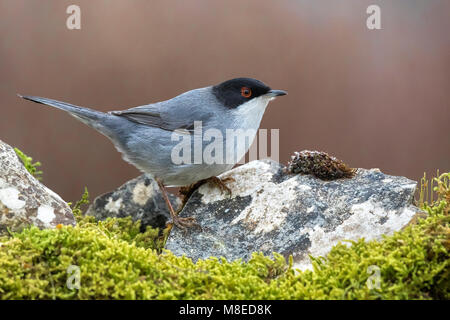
(147, 135)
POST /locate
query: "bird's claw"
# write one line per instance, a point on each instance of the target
(184, 223)
(221, 184)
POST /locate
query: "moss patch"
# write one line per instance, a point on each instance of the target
(29, 165)
(116, 261)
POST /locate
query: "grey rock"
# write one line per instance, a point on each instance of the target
(300, 215)
(139, 198)
(24, 201)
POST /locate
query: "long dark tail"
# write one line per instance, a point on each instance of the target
(95, 119)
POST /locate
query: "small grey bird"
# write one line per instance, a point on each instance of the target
(145, 134)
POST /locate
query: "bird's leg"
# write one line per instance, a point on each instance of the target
(182, 223)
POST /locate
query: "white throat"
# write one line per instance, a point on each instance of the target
(247, 118)
(249, 114)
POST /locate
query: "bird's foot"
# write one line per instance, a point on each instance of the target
(221, 183)
(181, 223)
(186, 192)
(184, 223)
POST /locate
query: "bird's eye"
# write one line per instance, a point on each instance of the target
(246, 92)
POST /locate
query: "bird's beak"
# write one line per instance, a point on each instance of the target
(276, 93)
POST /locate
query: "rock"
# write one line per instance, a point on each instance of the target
(24, 201)
(271, 210)
(139, 198)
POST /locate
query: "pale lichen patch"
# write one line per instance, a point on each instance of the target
(304, 187)
(247, 181)
(352, 229)
(141, 193)
(114, 206)
(46, 214)
(268, 210)
(10, 198)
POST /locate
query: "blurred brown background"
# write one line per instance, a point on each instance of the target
(372, 98)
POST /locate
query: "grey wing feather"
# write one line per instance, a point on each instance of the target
(177, 113)
(148, 118)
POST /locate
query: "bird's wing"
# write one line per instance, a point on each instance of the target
(166, 117)
(146, 117)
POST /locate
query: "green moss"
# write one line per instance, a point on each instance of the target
(428, 193)
(29, 165)
(118, 262)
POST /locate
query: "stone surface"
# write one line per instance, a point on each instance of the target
(139, 198)
(25, 201)
(273, 211)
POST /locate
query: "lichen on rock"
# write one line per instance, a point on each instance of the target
(25, 201)
(139, 198)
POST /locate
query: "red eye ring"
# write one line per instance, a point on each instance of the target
(246, 92)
